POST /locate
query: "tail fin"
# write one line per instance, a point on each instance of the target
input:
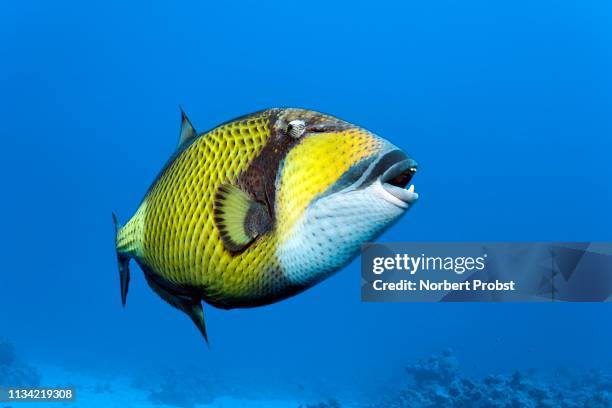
(124, 264)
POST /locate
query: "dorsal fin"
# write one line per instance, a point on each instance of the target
(239, 218)
(187, 130)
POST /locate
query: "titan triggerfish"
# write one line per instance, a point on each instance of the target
(261, 208)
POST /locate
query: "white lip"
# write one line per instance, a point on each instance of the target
(398, 196)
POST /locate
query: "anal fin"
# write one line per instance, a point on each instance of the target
(190, 305)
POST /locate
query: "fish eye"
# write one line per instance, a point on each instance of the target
(296, 128)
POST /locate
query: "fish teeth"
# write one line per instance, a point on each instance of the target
(411, 188)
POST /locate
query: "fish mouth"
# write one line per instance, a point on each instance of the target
(395, 180)
(387, 175)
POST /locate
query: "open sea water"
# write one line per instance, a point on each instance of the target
(507, 107)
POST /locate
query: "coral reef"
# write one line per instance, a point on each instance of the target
(7, 353)
(183, 389)
(102, 388)
(330, 403)
(437, 382)
(436, 369)
(13, 372)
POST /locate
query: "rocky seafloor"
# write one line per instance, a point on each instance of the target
(436, 381)
(14, 371)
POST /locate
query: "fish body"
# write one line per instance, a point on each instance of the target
(261, 208)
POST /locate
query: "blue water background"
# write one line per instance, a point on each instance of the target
(505, 105)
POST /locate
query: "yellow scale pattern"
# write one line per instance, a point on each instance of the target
(129, 238)
(181, 242)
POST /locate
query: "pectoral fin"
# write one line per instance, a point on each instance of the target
(239, 218)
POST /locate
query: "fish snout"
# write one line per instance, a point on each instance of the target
(394, 171)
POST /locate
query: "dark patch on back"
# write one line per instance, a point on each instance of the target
(260, 177)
